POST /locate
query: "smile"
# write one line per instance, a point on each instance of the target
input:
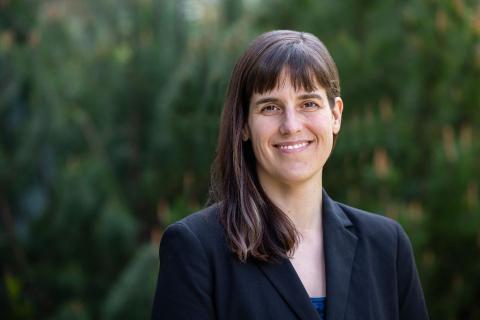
(292, 146)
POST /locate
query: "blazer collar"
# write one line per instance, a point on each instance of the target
(283, 277)
(339, 247)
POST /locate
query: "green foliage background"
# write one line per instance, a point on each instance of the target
(108, 122)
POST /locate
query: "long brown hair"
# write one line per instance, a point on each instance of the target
(254, 226)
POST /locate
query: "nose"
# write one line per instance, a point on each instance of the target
(291, 123)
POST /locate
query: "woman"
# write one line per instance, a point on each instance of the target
(274, 245)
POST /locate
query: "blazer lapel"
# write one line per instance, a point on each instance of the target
(283, 277)
(339, 245)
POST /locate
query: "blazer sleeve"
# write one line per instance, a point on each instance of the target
(184, 285)
(410, 294)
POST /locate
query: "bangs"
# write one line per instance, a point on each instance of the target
(293, 61)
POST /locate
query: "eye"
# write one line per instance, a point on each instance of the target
(270, 109)
(310, 105)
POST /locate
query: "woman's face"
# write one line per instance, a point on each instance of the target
(292, 133)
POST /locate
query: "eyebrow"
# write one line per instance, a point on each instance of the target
(310, 96)
(266, 100)
(300, 97)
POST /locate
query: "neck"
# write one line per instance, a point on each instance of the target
(302, 202)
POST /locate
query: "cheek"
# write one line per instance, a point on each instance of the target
(261, 132)
(322, 125)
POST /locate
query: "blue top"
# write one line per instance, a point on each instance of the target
(319, 304)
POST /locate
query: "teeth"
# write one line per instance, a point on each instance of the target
(293, 147)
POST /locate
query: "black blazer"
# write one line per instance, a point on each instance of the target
(369, 265)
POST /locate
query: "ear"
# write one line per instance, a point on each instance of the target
(245, 133)
(337, 115)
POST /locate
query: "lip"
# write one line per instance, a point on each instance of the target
(292, 146)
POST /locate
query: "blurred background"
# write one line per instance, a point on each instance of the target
(108, 123)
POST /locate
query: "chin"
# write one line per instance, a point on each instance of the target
(295, 178)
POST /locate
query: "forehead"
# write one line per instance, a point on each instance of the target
(287, 83)
(299, 78)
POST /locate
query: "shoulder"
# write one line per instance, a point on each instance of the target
(368, 220)
(374, 227)
(380, 237)
(386, 251)
(202, 227)
(202, 222)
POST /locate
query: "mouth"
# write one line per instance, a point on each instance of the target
(293, 146)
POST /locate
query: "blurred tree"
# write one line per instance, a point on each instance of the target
(81, 80)
(17, 21)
